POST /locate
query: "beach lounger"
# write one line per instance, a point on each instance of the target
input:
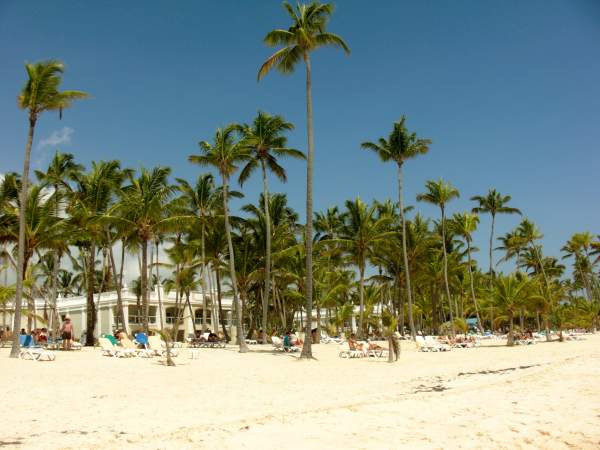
(437, 345)
(423, 346)
(277, 343)
(29, 350)
(139, 352)
(108, 349)
(376, 352)
(205, 342)
(346, 352)
(159, 347)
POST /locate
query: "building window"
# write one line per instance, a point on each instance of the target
(198, 317)
(171, 314)
(136, 315)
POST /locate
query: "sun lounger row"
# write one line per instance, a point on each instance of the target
(30, 350)
(431, 344)
(151, 346)
(367, 350)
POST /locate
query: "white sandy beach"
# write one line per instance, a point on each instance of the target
(542, 396)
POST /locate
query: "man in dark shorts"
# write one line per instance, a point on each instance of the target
(66, 332)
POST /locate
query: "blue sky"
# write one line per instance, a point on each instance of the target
(508, 91)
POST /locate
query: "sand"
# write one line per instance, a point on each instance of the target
(545, 396)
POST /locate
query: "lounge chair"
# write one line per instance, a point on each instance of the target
(277, 343)
(108, 349)
(425, 346)
(158, 346)
(30, 350)
(205, 342)
(440, 346)
(346, 352)
(378, 352)
(139, 352)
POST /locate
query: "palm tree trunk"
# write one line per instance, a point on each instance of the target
(479, 324)
(203, 284)
(91, 306)
(492, 247)
(121, 269)
(118, 285)
(144, 283)
(15, 350)
(361, 291)
(55, 267)
(447, 285)
(265, 299)
(218, 276)
(411, 322)
(232, 275)
(189, 305)
(308, 232)
(160, 304)
(510, 339)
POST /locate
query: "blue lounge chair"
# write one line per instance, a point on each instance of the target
(142, 339)
(30, 350)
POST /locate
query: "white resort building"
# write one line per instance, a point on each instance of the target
(106, 306)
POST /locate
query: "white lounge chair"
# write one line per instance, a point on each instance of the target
(30, 350)
(346, 352)
(139, 352)
(160, 347)
(439, 346)
(108, 349)
(277, 343)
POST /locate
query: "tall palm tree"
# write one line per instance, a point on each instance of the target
(440, 193)
(266, 141)
(94, 194)
(43, 230)
(359, 235)
(40, 93)
(399, 147)
(200, 203)
(579, 247)
(493, 203)
(224, 154)
(61, 170)
(143, 208)
(465, 224)
(306, 34)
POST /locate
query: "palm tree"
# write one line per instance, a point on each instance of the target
(61, 170)
(465, 225)
(493, 203)
(306, 34)
(440, 193)
(359, 235)
(399, 147)
(142, 209)
(43, 230)
(200, 204)
(266, 141)
(92, 198)
(579, 247)
(224, 154)
(508, 293)
(39, 94)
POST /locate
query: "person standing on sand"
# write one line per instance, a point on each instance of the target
(66, 332)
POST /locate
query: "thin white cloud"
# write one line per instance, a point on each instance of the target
(58, 137)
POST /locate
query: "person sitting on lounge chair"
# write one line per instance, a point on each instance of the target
(213, 337)
(295, 340)
(42, 337)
